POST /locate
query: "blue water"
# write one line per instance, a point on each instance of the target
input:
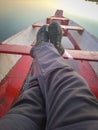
(19, 18)
(11, 24)
(90, 25)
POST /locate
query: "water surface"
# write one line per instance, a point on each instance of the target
(16, 15)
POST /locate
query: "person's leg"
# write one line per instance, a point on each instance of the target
(69, 102)
(28, 113)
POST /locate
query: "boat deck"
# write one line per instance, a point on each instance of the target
(14, 69)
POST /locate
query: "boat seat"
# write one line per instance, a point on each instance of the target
(58, 17)
(61, 20)
(77, 28)
(25, 50)
(81, 55)
(65, 28)
(15, 49)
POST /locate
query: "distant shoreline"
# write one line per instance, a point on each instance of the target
(93, 1)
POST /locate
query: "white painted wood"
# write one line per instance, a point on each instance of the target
(7, 61)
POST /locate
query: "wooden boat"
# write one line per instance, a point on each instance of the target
(81, 52)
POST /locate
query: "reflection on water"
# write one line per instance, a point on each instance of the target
(19, 14)
(93, 1)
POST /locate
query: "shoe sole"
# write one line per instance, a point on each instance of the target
(55, 31)
(55, 36)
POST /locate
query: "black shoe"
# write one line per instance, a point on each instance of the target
(42, 35)
(55, 36)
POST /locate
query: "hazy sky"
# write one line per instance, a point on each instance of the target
(16, 15)
(80, 7)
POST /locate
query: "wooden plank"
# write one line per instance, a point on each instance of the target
(25, 50)
(58, 18)
(81, 55)
(65, 27)
(37, 25)
(59, 13)
(77, 28)
(11, 85)
(15, 49)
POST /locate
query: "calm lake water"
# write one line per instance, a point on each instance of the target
(18, 15)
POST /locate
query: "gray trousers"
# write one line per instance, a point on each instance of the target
(56, 98)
